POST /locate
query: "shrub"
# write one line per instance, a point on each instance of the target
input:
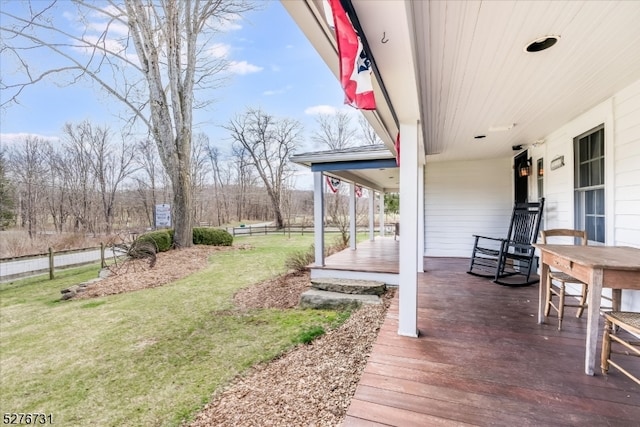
(300, 260)
(211, 236)
(161, 239)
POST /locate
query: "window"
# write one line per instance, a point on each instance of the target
(540, 177)
(540, 184)
(589, 183)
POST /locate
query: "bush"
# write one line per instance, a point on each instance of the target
(211, 236)
(162, 239)
(300, 260)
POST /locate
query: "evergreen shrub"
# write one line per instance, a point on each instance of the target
(211, 236)
(162, 239)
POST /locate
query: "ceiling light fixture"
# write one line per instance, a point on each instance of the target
(541, 43)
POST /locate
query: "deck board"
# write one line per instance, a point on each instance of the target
(482, 359)
(378, 256)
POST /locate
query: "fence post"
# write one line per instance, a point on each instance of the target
(250, 231)
(103, 263)
(265, 230)
(51, 275)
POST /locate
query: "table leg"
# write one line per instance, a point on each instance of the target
(542, 291)
(593, 316)
(617, 299)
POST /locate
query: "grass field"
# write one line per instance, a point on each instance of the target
(150, 357)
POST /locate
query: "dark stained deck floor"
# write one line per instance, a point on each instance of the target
(482, 359)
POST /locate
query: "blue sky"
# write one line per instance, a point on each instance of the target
(274, 65)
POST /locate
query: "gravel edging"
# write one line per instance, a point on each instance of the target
(310, 385)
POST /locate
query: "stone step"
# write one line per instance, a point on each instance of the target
(315, 298)
(349, 286)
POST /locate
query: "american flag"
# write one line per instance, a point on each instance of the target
(333, 184)
(355, 66)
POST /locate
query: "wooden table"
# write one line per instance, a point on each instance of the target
(616, 267)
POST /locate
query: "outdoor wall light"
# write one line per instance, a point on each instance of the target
(557, 162)
(525, 168)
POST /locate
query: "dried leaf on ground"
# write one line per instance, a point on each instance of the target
(311, 385)
(170, 266)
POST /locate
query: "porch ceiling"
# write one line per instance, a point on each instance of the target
(371, 166)
(467, 64)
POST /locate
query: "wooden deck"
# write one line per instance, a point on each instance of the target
(377, 260)
(482, 359)
(380, 256)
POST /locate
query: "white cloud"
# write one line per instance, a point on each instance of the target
(243, 67)
(115, 28)
(321, 109)
(219, 50)
(231, 22)
(112, 46)
(12, 138)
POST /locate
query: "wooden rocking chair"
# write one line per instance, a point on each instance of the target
(511, 256)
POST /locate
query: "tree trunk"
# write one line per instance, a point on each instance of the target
(182, 204)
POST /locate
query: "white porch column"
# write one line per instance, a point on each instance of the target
(408, 287)
(381, 215)
(318, 218)
(420, 216)
(352, 216)
(372, 215)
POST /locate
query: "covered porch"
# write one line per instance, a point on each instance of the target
(376, 260)
(481, 358)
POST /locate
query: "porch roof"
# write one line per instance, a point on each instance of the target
(372, 166)
(461, 68)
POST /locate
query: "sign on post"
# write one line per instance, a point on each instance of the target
(163, 216)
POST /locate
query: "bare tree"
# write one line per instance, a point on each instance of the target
(56, 195)
(76, 165)
(151, 56)
(199, 173)
(221, 178)
(334, 131)
(147, 159)
(27, 163)
(7, 194)
(244, 177)
(111, 166)
(368, 135)
(269, 143)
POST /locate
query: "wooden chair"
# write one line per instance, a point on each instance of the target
(563, 278)
(629, 322)
(500, 258)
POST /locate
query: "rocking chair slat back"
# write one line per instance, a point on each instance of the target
(514, 255)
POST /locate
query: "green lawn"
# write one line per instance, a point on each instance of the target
(150, 357)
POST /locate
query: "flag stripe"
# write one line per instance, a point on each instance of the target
(355, 67)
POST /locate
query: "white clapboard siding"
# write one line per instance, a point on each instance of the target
(621, 118)
(463, 198)
(627, 169)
